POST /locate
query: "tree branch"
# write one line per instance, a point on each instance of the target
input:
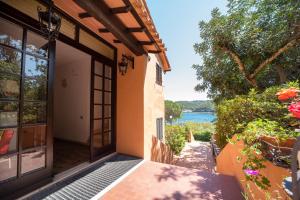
(240, 64)
(274, 56)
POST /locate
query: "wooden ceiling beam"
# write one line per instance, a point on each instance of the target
(117, 41)
(120, 10)
(146, 42)
(103, 30)
(84, 15)
(141, 23)
(136, 30)
(155, 52)
(102, 13)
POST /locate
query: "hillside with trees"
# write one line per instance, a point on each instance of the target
(197, 106)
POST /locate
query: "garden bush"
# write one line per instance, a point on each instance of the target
(201, 131)
(175, 136)
(233, 115)
(204, 136)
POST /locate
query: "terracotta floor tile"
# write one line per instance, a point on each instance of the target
(157, 181)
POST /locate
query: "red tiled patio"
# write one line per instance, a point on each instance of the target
(157, 181)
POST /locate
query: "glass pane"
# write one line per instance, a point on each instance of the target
(33, 136)
(97, 137)
(67, 28)
(28, 7)
(97, 111)
(98, 83)
(34, 113)
(107, 125)
(8, 140)
(107, 138)
(32, 160)
(107, 111)
(10, 61)
(8, 167)
(35, 67)
(97, 126)
(107, 85)
(97, 97)
(8, 114)
(98, 68)
(36, 44)
(35, 89)
(9, 86)
(107, 98)
(10, 34)
(107, 72)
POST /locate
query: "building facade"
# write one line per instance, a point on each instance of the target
(68, 100)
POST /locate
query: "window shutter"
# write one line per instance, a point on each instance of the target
(158, 75)
(159, 128)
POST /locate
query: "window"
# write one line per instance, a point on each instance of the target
(22, 113)
(158, 75)
(102, 95)
(159, 128)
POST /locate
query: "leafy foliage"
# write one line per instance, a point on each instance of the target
(234, 114)
(175, 137)
(173, 111)
(255, 44)
(253, 117)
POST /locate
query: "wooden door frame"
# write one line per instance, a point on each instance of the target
(34, 180)
(112, 147)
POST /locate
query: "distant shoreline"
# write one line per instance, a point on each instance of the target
(198, 111)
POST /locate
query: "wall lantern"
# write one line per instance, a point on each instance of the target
(123, 65)
(49, 21)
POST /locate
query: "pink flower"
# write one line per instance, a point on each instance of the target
(251, 172)
(294, 108)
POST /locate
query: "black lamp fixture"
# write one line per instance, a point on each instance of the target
(123, 65)
(50, 22)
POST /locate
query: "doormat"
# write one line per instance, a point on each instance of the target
(90, 182)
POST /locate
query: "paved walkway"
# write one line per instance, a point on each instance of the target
(196, 155)
(194, 178)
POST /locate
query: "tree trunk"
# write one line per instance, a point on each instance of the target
(281, 74)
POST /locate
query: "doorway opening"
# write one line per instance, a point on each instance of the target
(71, 129)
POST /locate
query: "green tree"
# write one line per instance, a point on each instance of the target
(173, 111)
(254, 45)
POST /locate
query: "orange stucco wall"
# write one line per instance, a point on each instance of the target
(227, 164)
(130, 107)
(140, 101)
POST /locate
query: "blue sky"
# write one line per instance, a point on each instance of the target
(177, 24)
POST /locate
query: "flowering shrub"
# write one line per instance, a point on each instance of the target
(286, 94)
(294, 108)
(254, 132)
(254, 116)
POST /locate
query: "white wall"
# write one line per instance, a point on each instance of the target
(72, 94)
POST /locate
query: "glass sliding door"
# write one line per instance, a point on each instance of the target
(101, 109)
(23, 101)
